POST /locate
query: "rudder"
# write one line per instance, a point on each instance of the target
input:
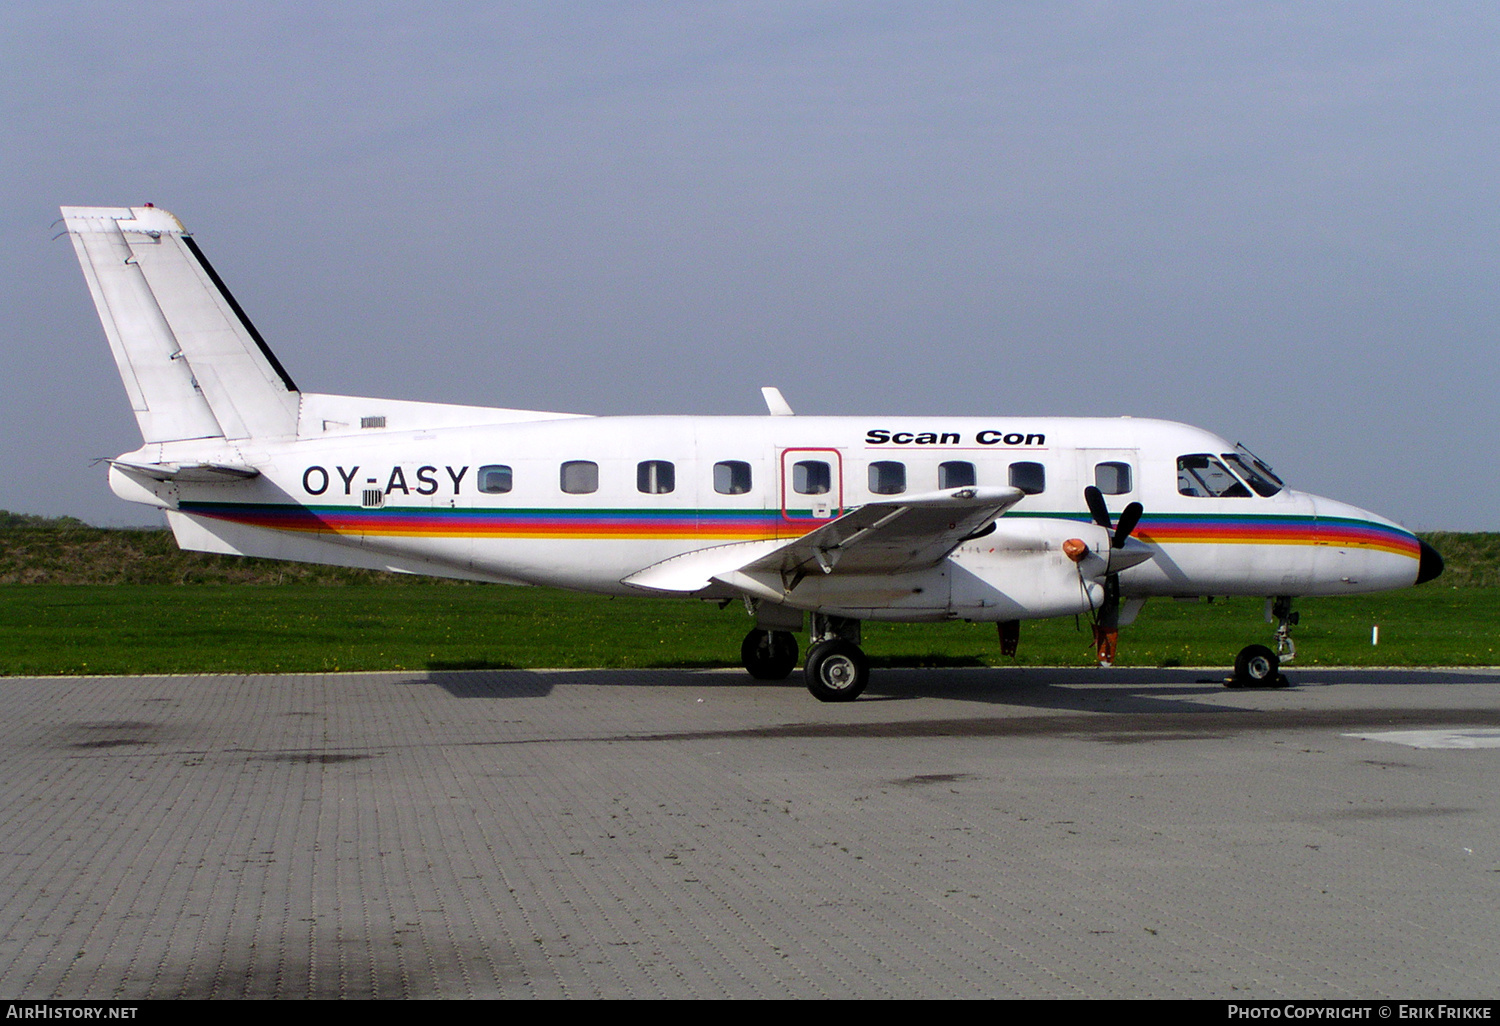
(192, 363)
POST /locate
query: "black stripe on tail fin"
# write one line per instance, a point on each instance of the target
(265, 350)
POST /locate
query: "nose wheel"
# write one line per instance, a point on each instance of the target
(1257, 667)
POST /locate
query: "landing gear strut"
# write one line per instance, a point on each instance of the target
(1107, 622)
(837, 670)
(1286, 619)
(1257, 666)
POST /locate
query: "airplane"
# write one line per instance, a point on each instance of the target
(815, 524)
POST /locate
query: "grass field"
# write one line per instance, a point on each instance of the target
(114, 629)
(76, 599)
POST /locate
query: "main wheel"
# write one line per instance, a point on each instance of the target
(1256, 667)
(836, 671)
(769, 655)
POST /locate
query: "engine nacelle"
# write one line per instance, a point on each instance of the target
(1020, 571)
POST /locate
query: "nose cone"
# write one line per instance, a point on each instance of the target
(1360, 551)
(1431, 564)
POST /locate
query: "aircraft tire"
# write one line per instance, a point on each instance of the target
(1256, 667)
(836, 671)
(769, 655)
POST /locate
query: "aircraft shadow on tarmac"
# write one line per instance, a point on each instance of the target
(1139, 704)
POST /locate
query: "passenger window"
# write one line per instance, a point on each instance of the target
(956, 474)
(494, 479)
(580, 477)
(1204, 477)
(887, 477)
(655, 477)
(811, 477)
(731, 477)
(1112, 478)
(1031, 478)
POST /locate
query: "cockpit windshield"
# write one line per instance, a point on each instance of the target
(1255, 472)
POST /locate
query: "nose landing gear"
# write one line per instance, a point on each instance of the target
(1281, 608)
(1257, 666)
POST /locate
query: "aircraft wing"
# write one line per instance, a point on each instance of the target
(886, 537)
(889, 537)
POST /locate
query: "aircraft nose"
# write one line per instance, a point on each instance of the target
(1431, 564)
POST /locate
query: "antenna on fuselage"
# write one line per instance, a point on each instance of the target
(775, 402)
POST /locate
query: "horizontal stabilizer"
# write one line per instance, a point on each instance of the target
(198, 473)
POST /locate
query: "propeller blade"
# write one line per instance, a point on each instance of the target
(1128, 520)
(1095, 499)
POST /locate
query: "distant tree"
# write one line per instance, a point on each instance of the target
(9, 519)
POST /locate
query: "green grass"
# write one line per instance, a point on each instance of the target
(80, 599)
(116, 629)
(1470, 560)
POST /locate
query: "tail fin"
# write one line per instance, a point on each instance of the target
(193, 364)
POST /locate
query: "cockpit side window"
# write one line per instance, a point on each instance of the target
(1203, 476)
(1253, 470)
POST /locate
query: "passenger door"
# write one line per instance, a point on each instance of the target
(811, 486)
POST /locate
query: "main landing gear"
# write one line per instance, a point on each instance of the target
(1257, 666)
(769, 655)
(837, 671)
(836, 668)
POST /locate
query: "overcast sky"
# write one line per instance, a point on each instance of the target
(1275, 221)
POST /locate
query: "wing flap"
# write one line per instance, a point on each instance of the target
(694, 571)
(878, 538)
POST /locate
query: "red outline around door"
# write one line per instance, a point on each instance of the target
(837, 492)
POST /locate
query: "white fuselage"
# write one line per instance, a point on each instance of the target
(407, 495)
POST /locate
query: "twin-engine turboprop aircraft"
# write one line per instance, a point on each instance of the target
(832, 519)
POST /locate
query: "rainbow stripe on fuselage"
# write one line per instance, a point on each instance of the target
(1252, 529)
(752, 525)
(396, 522)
